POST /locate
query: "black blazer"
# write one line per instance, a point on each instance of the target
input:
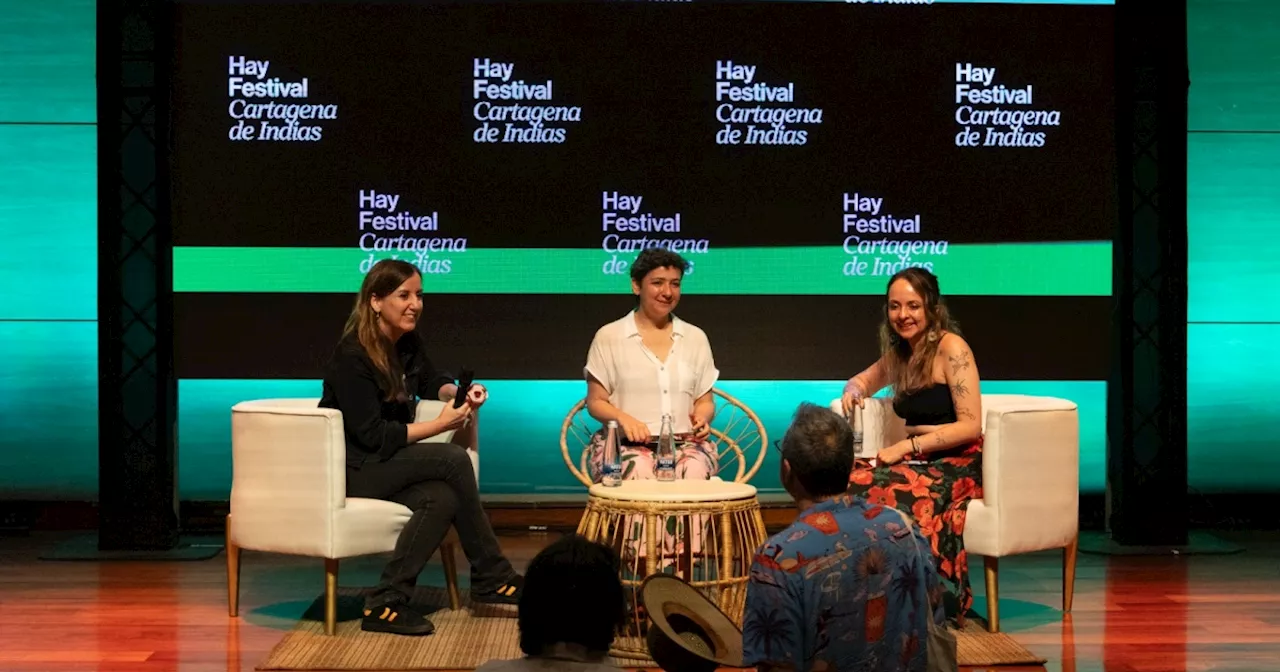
(374, 427)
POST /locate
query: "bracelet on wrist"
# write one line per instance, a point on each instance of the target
(915, 447)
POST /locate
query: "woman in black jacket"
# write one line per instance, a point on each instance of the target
(378, 372)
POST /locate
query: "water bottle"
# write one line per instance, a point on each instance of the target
(666, 451)
(855, 423)
(611, 470)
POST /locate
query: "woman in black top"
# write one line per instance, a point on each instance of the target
(375, 377)
(933, 473)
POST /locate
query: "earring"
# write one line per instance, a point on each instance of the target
(933, 336)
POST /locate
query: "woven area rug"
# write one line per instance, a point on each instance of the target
(977, 647)
(471, 636)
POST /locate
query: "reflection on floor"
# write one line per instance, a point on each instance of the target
(1131, 614)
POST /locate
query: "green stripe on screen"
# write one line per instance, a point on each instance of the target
(977, 2)
(1005, 269)
(1024, 2)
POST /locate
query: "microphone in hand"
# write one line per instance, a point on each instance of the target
(464, 386)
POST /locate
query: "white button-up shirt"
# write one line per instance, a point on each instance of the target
(644, 387)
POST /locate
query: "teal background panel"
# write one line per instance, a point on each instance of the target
(48, 260)
(48, 222)
(520, 428)
(1232, 409)
(49, 407)
(1233, 227)
(1235, 65)
(47, 61)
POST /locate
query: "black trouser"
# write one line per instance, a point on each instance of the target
(437, 482)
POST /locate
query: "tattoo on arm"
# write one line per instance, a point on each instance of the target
(959, 389)
(959, 362)
(966, 414)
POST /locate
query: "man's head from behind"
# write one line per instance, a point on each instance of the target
(817, 453)
(572, 595)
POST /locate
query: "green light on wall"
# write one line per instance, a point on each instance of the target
(520, 432)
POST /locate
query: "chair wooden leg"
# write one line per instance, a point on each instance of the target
(330, 595)
(450, 560)
(1069, 573)
(992, 567)
(233, 573)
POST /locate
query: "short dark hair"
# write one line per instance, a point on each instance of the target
(571, 594)
(656, 257)
(819, 447)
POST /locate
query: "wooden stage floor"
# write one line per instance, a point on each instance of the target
(1132, 614)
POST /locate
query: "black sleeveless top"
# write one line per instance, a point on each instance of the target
(927, 406)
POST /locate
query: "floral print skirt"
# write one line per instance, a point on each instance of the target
(936, 496)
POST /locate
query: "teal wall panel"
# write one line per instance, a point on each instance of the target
(47, 56)
(48, 221)
(49, 410)
(48, 260)
(520, 428)
(1231, 407)
(1233, 226)
(1235, 65)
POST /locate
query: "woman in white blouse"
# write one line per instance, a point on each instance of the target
(648, 364)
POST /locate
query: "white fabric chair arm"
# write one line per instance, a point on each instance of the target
(429, 409)
(288, 475)
(1030, 476)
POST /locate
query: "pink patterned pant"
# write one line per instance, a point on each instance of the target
(695, 460)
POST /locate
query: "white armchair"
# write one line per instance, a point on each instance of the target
(288, 494)
(1030, 482)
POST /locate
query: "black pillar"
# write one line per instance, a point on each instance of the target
(137, 482)
(1147, 391)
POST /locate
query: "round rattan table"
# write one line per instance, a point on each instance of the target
(704, 531)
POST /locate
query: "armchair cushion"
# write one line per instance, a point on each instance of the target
(364, 526)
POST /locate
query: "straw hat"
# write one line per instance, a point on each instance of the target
(687, 632)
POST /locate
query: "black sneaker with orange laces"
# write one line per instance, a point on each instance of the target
(397, 619)
(507, 593)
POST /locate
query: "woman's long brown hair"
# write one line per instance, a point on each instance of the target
(910, 371)
(381, 281)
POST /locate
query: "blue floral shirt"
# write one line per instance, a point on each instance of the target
(846, 587)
